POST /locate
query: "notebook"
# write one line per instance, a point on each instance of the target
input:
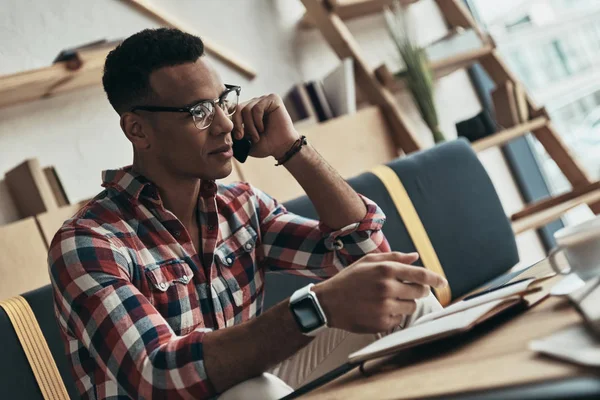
(457, 318)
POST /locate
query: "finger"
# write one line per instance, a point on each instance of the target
(405, 307)
(396, 256)
(411, 291)
(394, 289)
(258, 114)
(409, 273)
(249, 127)
(238, 124)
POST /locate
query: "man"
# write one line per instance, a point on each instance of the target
(158, 281)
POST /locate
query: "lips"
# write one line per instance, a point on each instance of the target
(222, 149)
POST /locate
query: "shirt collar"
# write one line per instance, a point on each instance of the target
(136, 185)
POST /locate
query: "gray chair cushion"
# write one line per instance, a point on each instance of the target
(459, 208)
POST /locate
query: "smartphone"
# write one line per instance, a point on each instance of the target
(241, 149)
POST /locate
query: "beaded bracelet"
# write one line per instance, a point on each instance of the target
(292, 151)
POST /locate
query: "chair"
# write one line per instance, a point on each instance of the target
(16, 377)
(458, 206)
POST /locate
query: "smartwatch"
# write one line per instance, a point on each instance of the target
(307, 311)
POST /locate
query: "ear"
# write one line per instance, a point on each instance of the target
(136, 129)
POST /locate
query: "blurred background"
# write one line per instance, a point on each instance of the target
(550, 46)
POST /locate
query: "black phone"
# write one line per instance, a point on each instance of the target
(241, 149)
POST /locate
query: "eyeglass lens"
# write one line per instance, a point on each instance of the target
(204, 112)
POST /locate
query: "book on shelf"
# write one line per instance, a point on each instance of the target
(316, 93)
(298, 104)
(340, 88)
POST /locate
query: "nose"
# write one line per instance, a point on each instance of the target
(222, 124)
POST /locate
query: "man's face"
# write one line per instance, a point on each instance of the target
(176, 143)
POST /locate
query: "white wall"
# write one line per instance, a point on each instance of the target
(79, 133)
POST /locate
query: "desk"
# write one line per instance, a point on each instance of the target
(493, 355)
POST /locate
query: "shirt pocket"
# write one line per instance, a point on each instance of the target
(236, 261)
(173, 294)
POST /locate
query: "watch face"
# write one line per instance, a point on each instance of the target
(306, 314)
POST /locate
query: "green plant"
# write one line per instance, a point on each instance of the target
(417, 74)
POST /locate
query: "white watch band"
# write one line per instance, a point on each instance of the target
(306, 292)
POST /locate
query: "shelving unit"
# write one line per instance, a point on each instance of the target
(350, 9)
(85, 69)
(61, 77)
(377, 87)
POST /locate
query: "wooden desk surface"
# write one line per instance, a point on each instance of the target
(493, 355)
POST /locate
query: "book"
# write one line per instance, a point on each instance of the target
(437, 329)
(456, 318)
(319, 100)
(340, 88)
(298, 104)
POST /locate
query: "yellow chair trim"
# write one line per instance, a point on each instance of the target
(414, 226)
(35, 347)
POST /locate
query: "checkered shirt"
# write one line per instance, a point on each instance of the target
(134, 299)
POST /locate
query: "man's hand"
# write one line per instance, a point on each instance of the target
(376, 292)
(265, 121)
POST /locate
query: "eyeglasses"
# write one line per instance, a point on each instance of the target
(204, 112)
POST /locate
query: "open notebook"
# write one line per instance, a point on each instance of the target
(456, 318)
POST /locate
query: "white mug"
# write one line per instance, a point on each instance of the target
(581, 245)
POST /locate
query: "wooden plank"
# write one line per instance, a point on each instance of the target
(440, 68)
(342, 42)
(498, 71)
(56, 79)
(521, 101)
(456, 13)
(554, 201)
(561, 154)
(505, 105)
(366, 143)
(57, 187)
(212, 48)
(51, 221)
(461, 60)
(498, 356)
(499, 138)
(551, 214)
(351, 9)
(30, 189)
(23, 257)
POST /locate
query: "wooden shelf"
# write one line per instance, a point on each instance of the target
(58, 78)
(499, 138)
(350, 9)
(440, 68)
(553, 201)
(544, 217)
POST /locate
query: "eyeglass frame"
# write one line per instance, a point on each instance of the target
(188, 109)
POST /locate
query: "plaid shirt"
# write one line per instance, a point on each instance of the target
(134, 299)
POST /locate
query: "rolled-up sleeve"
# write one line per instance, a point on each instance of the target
(308, 247)
(129, 340)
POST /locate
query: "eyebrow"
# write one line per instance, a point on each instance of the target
(201, 100)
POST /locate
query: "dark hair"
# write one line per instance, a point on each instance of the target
(128, 67)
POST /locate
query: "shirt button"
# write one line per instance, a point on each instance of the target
(229, 260)
(185, 278)
(177, 233)
(248, 246)
(162, 286)
(211, 228)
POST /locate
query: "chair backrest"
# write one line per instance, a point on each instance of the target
(23, 257)
(16, 376)
(458, 206)
(363, 136)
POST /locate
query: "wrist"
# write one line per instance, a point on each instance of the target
(280, 152)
